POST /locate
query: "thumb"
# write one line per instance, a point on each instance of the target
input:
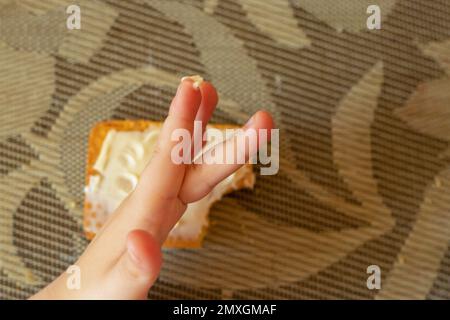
(137, 268)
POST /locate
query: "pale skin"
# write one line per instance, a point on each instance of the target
(124, 259)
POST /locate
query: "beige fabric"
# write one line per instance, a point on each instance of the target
(365, 154)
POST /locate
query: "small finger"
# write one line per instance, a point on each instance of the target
(208, 104)
(162, 176)
(200, 179)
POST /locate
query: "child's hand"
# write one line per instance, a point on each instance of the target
(124, 259)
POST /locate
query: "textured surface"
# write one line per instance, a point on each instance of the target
(364, 118)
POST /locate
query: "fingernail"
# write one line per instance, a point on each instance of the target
(197, 81)
(249, 122)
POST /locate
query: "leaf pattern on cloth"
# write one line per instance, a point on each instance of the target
(428, 112)
(15, 153)
(425, 246)
(77, 45)
(80, 45)
(14, 188)
(205, 266)
(349, 15)
(351, 133)
(26, 86)
(439, 51)
(230, 62)
(23, 30)
(428, 109)
(284, 31)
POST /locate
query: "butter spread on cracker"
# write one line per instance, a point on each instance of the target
(122, 158)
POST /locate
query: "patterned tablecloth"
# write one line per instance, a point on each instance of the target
(365, 130)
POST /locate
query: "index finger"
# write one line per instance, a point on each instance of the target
(162, 176)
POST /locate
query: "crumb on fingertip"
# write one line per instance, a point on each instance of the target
(197, 80)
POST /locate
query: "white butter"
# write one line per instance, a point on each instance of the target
(123, 157)
(102, 157)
